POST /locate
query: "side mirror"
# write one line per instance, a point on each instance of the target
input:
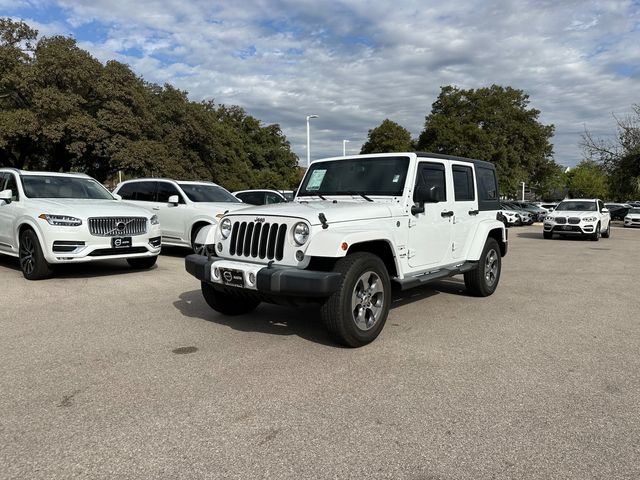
(6, 196)
(116, 196)
(605, 210)
(174, 199)
(424, 194)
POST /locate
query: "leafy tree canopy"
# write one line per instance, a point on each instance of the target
(493, 124)
(620, 157)
(63, 110)
(388, 137)
(588, 180)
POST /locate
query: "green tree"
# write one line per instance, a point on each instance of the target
(388, 137)
(619, 156)
(588, 180)
(493, 124)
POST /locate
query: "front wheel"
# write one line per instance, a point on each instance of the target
(225, 303)
(483, 281)
(32, 261)
(142, 263)
(356, 313)
(595, 236)
(607, 232)
(547, 235)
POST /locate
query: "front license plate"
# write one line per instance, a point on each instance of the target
(566, 227)
(121, 242)
(232, 277)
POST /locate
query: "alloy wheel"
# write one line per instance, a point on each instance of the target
(367, 300)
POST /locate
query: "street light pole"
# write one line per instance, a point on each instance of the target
(344, 147)
(309, 139)
(523, 191)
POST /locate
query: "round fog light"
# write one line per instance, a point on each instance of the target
(252, 277)
(299, 255)
(219, 246)
(216, 272)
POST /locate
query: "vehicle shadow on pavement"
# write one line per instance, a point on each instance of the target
(270, 319)
(80, 270)
(452, 286)
(9, 262)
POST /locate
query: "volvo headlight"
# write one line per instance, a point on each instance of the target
(154, 220)
(589, 219)
(225, 228)
(300, 233)
(61, 220)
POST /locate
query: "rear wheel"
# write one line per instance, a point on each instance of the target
(356, 313)
(142, 263)
(483, 281)
(32, 261)
(225, 303)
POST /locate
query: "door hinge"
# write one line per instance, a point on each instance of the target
(411, 253)
(412, 222)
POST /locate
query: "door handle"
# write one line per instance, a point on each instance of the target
(156, 208)
(447, 213)
(474, 212)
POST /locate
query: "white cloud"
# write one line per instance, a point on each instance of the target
(355, 63)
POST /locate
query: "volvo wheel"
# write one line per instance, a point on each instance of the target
(32, 261)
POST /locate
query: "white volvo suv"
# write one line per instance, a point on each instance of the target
(49, 218)
(183, 207)
(579, 216)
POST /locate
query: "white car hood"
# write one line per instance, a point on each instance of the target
(341, 211)
(83, 209)
(573, 213)
(214, 208)
(633, 215)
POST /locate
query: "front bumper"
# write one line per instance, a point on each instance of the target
(632, 222)
(278, 281)
(570, 229)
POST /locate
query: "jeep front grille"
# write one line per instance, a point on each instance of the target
(258, 240)
(115, 226)
(561, 220)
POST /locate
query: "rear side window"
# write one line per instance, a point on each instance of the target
(463, 183)
(141, 191)
(270, 198)
(432, 175)
(252, 198)
(488, 193)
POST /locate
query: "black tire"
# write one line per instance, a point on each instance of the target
(482, 281)
(32, 261)
(364, 279)
(607, 232)
(225, 303)
(142, 263)
(547, 235)
(595, 236)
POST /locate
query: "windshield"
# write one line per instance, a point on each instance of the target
(207, 193)
(42, 186)
(577, 206)
(367, 176)
(288, 196)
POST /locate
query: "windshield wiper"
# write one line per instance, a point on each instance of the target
(361, 194)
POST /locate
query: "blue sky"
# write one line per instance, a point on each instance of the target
(355, 63)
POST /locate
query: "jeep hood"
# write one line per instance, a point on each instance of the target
(341, 211)
(83, 209)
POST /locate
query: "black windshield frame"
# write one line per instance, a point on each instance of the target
(372, 176)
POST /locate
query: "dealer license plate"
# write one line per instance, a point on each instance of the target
(121, 242)
(232, 277)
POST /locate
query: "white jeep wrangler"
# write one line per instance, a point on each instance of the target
(357, 224)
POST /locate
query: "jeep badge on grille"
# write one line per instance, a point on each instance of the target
(259, 219)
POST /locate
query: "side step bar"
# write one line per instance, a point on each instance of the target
(410, 282)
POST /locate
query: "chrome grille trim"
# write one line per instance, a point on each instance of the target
(258, 240)
(561, 220)
(574, 220)
(108, 226)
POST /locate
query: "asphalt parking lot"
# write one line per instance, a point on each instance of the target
(107, 372)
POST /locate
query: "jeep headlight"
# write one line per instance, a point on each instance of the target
(300, 233)
(154, 220)
(61, 220)
(589, 219)
(225, 228)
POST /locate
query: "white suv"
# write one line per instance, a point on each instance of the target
(356, 225)
(48, 218)
(183, 208)
(580, 216)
